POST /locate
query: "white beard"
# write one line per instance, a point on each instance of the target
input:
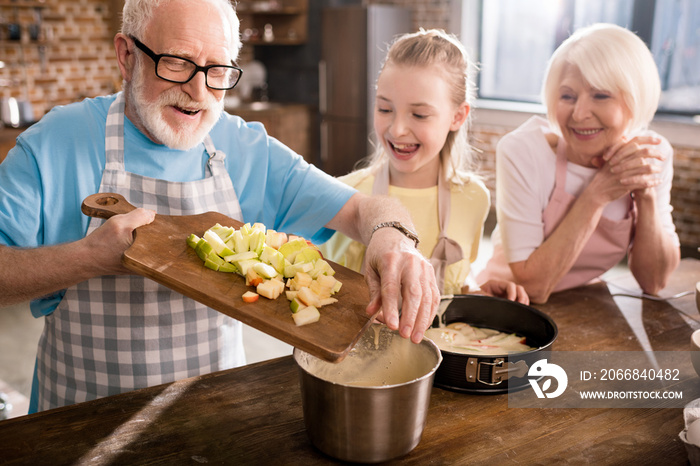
(181, 137)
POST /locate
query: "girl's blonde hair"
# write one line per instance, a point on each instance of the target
(445, 53)
(610, 58)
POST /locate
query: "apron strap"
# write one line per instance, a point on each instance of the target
(114, 135)
(447, 251)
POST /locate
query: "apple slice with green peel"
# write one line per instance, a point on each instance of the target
(244, 265)
(217, 243)
(241, 256)
(241, 241)
(213, 262)
(307, 315)
(265, 270)
(321, 267)
(273, 257)
(193, 241)
(203, 249)
(257, 241)
(292, 247)
(228, 267)
(223, 232)
(295, 305)
(307, 254)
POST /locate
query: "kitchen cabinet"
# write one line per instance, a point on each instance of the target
(273, 22)
(292, 124)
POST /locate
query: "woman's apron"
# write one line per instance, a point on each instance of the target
(606, 247)
(446, 251)
(609, 242)
(114, 334)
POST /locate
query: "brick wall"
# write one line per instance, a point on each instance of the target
(76, 60)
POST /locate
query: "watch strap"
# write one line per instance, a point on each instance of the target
(399, 226)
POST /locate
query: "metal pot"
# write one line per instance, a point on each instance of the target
(372, 406)
(491, 374)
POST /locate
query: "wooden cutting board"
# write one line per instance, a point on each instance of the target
(160, 252)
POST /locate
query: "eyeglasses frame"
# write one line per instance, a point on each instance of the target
(205, 69)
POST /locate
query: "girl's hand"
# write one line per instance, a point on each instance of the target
(627, 167)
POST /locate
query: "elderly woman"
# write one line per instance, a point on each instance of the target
(577, 193)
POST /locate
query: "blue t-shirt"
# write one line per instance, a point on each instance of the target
(59, 161)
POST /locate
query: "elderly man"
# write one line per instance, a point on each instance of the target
(166, 144)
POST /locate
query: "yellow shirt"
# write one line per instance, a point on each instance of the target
(469, 207)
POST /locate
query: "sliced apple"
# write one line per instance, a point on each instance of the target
(241, 256)
(265, 270)
(307, 315)
(292, 247)
(193, 240)
(217, 243)
(250, 297)
(268, 289)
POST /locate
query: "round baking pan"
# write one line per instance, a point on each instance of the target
(491, 374)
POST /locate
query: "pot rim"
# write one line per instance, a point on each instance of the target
(298, 352)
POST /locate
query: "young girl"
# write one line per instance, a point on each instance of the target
(423, 158)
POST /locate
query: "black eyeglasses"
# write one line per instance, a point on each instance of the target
(181, 70)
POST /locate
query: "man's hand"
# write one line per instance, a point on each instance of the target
(30, 273)
(108, 243)
(399, 277)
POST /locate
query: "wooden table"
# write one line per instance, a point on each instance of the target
(253, 414)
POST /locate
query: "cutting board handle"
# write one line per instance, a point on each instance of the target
(106, 205)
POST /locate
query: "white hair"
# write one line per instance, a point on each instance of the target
(613, 59)
(137, 14)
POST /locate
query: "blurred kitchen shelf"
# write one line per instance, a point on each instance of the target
(23, 4)
(286, 20)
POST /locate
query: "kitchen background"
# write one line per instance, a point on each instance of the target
(63, 52)
(56, 52)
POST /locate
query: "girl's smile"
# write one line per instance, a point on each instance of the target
(413, 116)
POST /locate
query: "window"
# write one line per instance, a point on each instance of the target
(517, 37)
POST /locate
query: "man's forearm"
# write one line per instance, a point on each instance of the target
(27, 274)
(362, 213)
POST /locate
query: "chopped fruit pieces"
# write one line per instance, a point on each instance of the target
(267, 258)
(308, 315)
(250, 297)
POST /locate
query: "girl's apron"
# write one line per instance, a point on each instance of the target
(114, 334)
(446, 251)
(606, 247)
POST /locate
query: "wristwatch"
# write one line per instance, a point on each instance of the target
(399, 226)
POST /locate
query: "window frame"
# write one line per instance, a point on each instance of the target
(465, 21)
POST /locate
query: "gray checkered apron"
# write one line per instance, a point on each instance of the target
(114, 334)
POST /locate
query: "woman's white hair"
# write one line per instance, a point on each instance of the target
(610, 58)
(137, 14)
